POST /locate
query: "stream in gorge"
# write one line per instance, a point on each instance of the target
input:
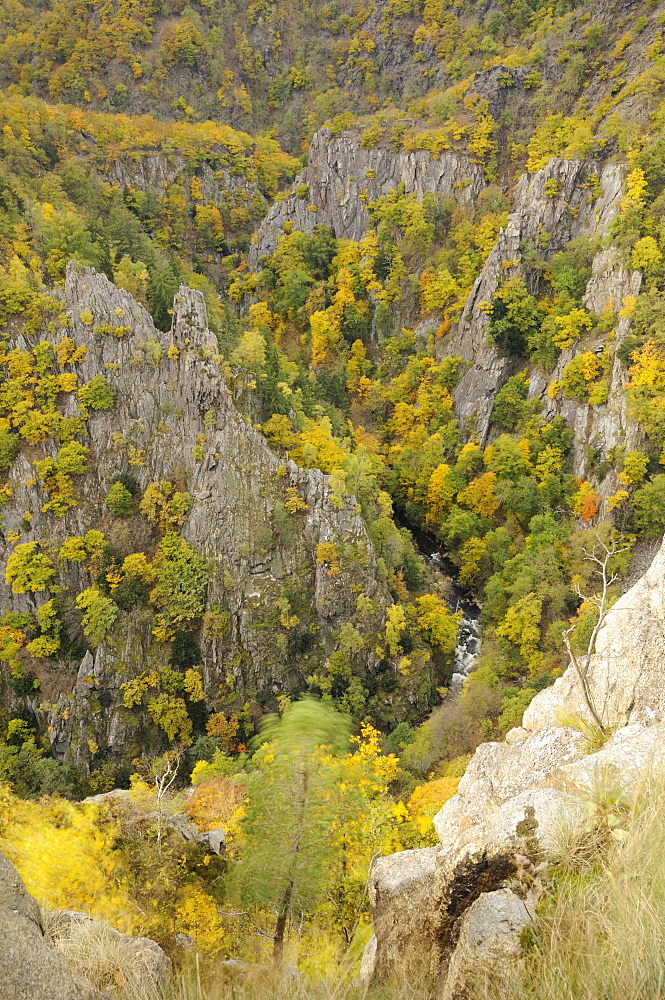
(456, 597)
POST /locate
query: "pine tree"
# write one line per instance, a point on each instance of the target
(289, 844)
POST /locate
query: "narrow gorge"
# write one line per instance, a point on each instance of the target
(332, 500)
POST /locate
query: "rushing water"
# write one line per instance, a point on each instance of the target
(467, 650)
(457, 599)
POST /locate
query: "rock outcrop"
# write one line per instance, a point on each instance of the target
(550, 208)
(564, 200)
(174, 419)
(488, 942)
(626, 674)
(30, 967)
(449, 909)
(598, 428)
(121, 810)
(342, 175)
(419, 897)
(156, 172)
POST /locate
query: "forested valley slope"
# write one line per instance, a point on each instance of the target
(332, 434)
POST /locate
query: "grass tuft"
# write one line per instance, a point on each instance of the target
(600, 929)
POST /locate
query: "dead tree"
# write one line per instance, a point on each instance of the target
(601, 555)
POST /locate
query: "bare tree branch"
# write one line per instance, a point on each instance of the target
(163, 771)
(601, 555)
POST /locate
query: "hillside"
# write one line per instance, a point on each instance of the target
(330, 339)
(262, 65)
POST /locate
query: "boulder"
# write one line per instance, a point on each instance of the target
(216, 840)
(368, 962)
(418, 897)
(498, 771)
(32, 969)
(629, 758)
(14, 897)
(174, 824)
(404, 894)
(488, 940)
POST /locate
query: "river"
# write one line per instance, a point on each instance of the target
(456, 597)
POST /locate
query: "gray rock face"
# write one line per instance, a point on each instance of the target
(625, 675)
(456, 910)
(488, 944)
(628, 759)
(30, 967)
(563, 215)
(15, 898)
(156, 172)
(605, 426)
(341, 176)
(174, 419)
(497, 772)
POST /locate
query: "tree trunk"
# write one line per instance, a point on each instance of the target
(280, 927)
(285, 904)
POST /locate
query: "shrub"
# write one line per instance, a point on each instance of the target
(181, 581)
(100, 613)
(31, 772)
(8, 447)
(96, 394)
(649, 507)
(516, 317)
(29, 569)
(165, 506)
(509, 403)
(119, 500)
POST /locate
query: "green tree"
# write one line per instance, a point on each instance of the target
(30, 770)
(509, 403)
(100, 613)
(119, 500)
(288, 843)
(649, 507)
(516, 317)
(181, 579)
(8, 447)
(164, 282)
(29, 570)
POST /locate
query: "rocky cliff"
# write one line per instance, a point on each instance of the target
(565, 200)
(550, 208)
(461, 905)
(174, 420)
(611, 424)
(343, 175)
(552, 220)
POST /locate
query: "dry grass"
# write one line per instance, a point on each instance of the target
(595, 738)
(600, 933)
(100, 955)
(263, 983)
